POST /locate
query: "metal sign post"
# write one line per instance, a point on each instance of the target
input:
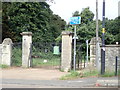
(87, 52)
(75, 21)
(74, 60)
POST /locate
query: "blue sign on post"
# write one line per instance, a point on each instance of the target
(75, 20)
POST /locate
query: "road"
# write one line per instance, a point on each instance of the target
(78, 83)
(50, 83)
(39, 78)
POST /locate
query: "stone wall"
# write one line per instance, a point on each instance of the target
(111, 51)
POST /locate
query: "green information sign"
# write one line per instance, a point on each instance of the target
(56, 50)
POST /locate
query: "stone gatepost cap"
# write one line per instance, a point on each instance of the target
(26, 33)
(7, 41)
(67, 33)
(93, 41)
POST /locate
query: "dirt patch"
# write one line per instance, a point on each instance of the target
(31, 74)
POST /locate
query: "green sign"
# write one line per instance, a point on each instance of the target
(56, 50)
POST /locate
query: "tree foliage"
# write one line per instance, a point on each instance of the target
(86, 15)
(33, 17)
(113, 29)
(87, 29)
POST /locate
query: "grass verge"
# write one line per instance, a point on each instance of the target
(108, 74)
(4, 66)
(75, 74)
(72, 75)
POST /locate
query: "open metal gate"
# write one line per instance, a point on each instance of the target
(80, 58)
(46, 55)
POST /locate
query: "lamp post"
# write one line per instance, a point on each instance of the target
(103, 42)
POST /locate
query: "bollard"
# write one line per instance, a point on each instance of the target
(84, 61)
(116, 61)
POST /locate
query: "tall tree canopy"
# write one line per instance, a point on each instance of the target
(87, 29)
(86, 15)
(35, 17)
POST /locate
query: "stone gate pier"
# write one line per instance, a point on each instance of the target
(93, 61)
(66, 56)
(26, 49)
(6, 52)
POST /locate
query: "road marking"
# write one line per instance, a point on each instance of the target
(75, 81)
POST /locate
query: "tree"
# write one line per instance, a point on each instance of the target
(76, 13)
(6, 31)
(86, 15)
(112, 30)
(34, 17)
(86, 30)
(0, 12)
(57, 25)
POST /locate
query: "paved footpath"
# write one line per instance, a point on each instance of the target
(42, 78)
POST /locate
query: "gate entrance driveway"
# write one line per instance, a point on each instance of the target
(43, 55)
(31, 74)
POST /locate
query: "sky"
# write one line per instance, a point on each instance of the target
(65, 8)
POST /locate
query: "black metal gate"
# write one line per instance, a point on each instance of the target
(43, 55)
(80, 58)
(16, 54)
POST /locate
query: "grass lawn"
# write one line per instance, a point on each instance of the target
(46, 62)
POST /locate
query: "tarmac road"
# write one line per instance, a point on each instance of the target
(79, 83)
(49, 83)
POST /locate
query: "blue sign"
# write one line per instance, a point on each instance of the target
(75, 20)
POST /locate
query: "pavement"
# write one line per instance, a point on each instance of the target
(108, 82)
(43, 78)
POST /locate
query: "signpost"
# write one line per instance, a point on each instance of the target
(87, 52)
(75, 21)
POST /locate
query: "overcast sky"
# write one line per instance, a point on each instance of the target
(65, 8)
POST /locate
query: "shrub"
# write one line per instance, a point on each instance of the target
(3, 66)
